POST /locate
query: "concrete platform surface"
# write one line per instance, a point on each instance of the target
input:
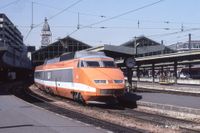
(171, 99)
(17, 116)
(194, 89)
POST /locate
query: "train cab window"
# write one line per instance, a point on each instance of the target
(80, 64)
(109, 64)
(37, 75)
(92, 63)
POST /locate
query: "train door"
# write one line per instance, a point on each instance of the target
(43, 79)
(56, 86)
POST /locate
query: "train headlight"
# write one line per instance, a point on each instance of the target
(119, 81)
(100, 81)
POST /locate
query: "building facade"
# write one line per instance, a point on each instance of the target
(184, 46)
(12, 49)
(55, 49)
(13, 52)
(9, 35)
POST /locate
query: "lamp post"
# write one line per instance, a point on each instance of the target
(136, 46)
(136, 54)
(130, 63)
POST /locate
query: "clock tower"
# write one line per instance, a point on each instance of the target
(46, 34)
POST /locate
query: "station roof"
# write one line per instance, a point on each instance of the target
(127, 49)
(180, 56)
(60, 42)
(140, 40)
(57, 48)
(124, 51)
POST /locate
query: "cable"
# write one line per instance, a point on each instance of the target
(136, 28)
(127, 19)
(28, 34)
(73, 32)
(7, 5)
(125, 13)
(55, 15)
(173, 33)
(74, 12)
(122, 14)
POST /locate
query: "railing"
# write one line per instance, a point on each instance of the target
(166, 80)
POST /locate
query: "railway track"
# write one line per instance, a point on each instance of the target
(168, 92)
(19, 90)
(168, 123)
(142, 117)
(189, 130)
(156, 119)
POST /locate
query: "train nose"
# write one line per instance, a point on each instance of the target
(105, 78)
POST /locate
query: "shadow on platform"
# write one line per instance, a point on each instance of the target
(129, 100)
(14, 87)
(19, 89)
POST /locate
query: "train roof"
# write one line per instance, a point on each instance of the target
(75, 55)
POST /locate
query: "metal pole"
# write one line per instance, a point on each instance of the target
(175, 71)
(135, 43)
(189, 42)
(153, 72)
(162, 52)
(78, 26)
(32, 15)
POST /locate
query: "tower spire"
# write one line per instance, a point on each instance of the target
(46, 34)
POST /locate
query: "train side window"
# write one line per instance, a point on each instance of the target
(48, 75)
(109, 64)
(92, 63)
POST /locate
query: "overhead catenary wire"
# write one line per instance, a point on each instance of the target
(71, 11)
(111, 27)
(53, 16)
(9, 4)
(173, 33)
(60, 12)
(31, 27)
(125, 13)
(117, 16)
(126, 19)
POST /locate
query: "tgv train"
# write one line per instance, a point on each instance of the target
(83, 76)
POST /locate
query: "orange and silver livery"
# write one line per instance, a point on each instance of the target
(83, 76)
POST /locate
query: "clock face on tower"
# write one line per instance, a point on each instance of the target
(45, 40)
(46, 34)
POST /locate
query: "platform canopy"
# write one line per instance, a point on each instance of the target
(140, 47)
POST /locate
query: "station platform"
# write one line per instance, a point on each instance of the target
(178, 88)
(170, 102)
(18, 116)
(171, 99)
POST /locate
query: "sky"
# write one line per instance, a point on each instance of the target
(106, 21)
